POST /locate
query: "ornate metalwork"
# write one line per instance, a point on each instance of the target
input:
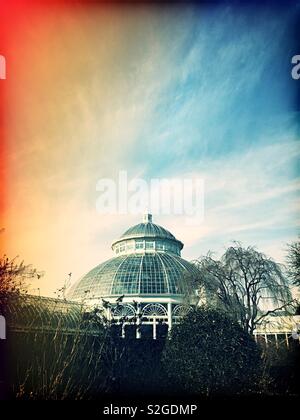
(123, 310)
(181, 310)
(154, 309)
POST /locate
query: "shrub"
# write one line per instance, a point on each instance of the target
(208, 354)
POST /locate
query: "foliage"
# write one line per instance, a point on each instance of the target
(57, 350)
(75, 354)
(14, 276)
(282, 365)
(241, 281)
(210, 354)
(49, 358)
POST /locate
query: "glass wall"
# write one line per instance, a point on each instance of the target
(147, 244)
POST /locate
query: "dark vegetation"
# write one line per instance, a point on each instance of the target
(55, 350)
(207, 355)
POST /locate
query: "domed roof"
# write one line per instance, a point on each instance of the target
(148, 229)
(157, 273)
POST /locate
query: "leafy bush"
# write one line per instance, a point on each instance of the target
(210, 354)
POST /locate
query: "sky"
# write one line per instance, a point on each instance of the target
(159, 92)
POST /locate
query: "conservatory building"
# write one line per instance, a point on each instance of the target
(144, 286)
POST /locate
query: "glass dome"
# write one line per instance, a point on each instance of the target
(135, 274)
(147, 229)
(147, 262)
(147, 237)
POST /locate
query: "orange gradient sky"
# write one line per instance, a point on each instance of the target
(62, 127)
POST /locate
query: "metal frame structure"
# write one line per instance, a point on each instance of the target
(146, 280)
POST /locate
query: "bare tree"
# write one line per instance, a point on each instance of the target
(293, 261)
(14, 276)
(241, 283)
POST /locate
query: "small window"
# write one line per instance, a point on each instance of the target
(139, 245)
(149, 245)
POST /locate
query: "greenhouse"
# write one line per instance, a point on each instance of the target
(46, 315)
(145, 282)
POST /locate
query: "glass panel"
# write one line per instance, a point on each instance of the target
(126, 278)
(149, 245)
(139, 244)
(150, 273)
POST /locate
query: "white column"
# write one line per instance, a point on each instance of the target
(139, 321)
(170, 315)
(154, 328)
(276, 340)
(287, 340)
(108, 314)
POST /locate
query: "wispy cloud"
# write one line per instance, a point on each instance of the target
(159, 92)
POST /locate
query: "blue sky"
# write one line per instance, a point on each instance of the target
(225, 108)
(160, 92)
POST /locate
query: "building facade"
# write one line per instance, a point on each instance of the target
(144, 284)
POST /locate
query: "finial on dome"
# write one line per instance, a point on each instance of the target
(147, 218)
